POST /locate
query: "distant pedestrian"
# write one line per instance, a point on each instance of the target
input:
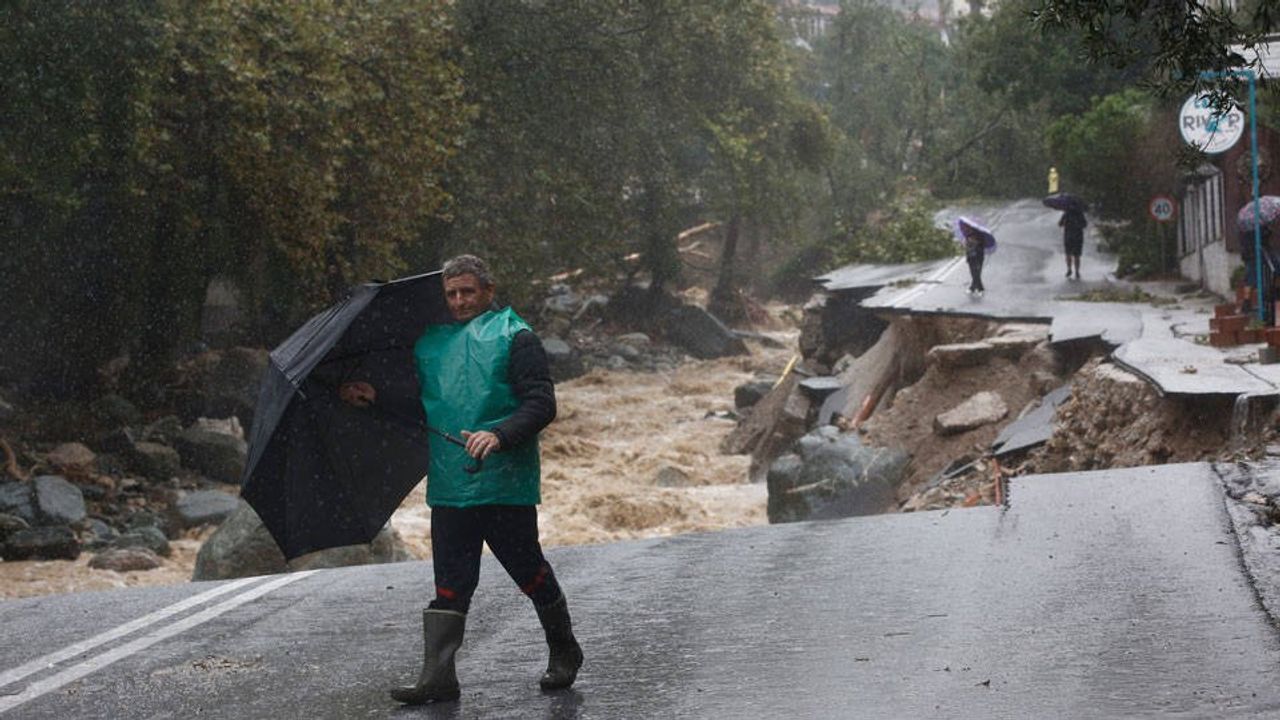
(977, 241)
(1073, 224)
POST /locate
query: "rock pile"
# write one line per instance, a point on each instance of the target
(571, 331)
(134, 495)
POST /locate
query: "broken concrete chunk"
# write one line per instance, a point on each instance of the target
(1014, 346)
(981, 409)
(961, 355)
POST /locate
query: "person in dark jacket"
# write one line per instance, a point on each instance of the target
(486, 379)
(975, 253)
(1073, 224)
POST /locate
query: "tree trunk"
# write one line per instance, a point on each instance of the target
(724, 302)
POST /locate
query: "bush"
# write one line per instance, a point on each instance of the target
(903, 233)
(1140, 254)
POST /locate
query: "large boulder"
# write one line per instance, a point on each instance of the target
(700, 334)
(154, 460)
(832, 475)
(564, 361)
(41, 543)
(18, 499)
(218, 455)
(243, 547)
(149, 536)
(57, 502)
(203, 507)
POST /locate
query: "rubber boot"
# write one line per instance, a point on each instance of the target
(441, 637)
(566, 655)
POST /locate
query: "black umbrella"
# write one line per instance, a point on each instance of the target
(320, 472)
(1065, 202)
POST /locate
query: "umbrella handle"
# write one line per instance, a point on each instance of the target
(472, 469)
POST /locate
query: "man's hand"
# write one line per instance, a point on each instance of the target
(359, 393)
(480, 444)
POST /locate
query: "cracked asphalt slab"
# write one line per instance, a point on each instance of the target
(1103, 594)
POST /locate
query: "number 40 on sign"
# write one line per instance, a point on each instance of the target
(1161, 208)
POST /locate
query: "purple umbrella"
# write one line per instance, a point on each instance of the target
(1065, 202)
(1268, 210)
(967, 227)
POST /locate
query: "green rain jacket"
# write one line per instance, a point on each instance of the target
(462, 368)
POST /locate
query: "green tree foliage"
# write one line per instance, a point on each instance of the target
(1013, 81)
(1045, 67)
(153, 145)
(1097, 150)
(605, 127)
(1179, 40)
(903, 232)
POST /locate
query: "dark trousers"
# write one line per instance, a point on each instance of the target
(459, 534)
(975, 269)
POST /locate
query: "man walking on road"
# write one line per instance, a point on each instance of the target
(485, 378)
(1073, 224)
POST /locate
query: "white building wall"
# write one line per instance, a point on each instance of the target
(1219, 264)
(1202, 251)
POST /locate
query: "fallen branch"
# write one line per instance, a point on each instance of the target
(11, 462)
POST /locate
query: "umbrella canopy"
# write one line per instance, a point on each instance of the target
(321, 473)
(1268, 209)
(966, 226)
(1065, 202)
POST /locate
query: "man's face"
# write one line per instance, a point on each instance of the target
(467, 296)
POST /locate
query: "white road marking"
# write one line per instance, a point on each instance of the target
(9, 677)
(93, 664)
(926, 284)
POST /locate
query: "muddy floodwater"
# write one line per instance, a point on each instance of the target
(617, 433)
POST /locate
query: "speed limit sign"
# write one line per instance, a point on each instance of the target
(1161, 208)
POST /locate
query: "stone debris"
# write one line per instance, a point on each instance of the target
(126, 560)
(983, 408)
(71, 457)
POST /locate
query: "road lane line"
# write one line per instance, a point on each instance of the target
(923, 286)
(98, 662)
(9, 677)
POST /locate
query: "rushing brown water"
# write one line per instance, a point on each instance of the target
(616, 431)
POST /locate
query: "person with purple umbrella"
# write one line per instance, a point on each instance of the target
(977, 242)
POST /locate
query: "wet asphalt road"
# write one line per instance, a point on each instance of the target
(1112, 594)
(1025, 279)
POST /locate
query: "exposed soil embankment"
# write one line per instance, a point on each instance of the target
(1115, 419)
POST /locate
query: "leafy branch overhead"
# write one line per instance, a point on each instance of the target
(1180, 40)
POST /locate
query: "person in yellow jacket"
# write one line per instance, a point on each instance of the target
(485, 378)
